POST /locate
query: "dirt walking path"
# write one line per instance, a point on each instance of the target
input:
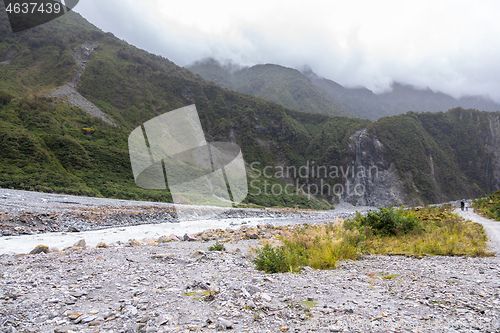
(492, 227)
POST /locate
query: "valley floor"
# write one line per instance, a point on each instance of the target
(180, 286)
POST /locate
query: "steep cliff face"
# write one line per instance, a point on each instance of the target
(375, 181)
(492, 145)
(424, 160)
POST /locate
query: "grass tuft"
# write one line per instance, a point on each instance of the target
(317, 246)
(217, 247)
(308, 304)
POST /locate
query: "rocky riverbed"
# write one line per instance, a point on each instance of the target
(180, 286)
(173, 283)
(29, 213)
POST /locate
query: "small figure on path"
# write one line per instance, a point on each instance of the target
(462, 204)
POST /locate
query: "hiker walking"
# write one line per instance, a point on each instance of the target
(462, 204)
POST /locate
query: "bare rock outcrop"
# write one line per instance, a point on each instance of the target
(370, 180)
(68, 93)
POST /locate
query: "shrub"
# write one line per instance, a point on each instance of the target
(489, 206)
(5, 98)
(217, 247)
(388, 221)
(271, 260)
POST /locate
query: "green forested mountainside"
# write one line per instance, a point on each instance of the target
(275, 83)
(131, 86)
(49, 146)
(438, 156)
(40, 59)
(441, 155)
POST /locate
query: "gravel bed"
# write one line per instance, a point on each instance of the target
(174, 284)
(182, 287)
(28, 213)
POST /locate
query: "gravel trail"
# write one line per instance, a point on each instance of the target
(492, 227)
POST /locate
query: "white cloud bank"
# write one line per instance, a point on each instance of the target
(451, 46)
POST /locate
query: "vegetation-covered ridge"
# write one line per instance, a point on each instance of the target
(48, 146)
(393, 231)
(437, 157)
(279, 84)
(51, 147)
(489, 206)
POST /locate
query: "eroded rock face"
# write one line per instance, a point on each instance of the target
(82, 55)
(493, 146)
(374, 181)
(67, 93)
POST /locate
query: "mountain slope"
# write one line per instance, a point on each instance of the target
(413, 158)
(47, 145)
(402, 98)
(306, 91)
(275, 83)
(130, 86)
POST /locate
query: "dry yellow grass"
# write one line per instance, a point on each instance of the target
(320, 246)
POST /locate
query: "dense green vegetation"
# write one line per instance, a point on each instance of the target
(440, 155)
(489, 206)
(50, 147)
(40, 58)
(43, 147)
(430, 230)
(387, 222)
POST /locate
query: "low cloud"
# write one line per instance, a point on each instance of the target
(449, 46)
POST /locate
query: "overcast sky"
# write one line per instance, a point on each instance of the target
(447, 45)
